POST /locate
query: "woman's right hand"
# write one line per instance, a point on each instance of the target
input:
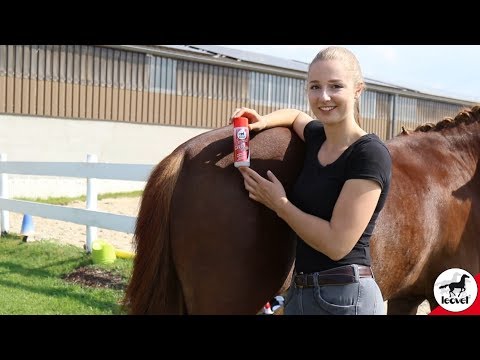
(256, 122)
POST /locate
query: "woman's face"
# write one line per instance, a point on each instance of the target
(332, 91)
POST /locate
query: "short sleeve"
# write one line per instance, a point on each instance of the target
(370, 160)
(312, 131)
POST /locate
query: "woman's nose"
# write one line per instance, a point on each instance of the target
(323, 95)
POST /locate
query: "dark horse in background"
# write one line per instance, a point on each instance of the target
(204, 247)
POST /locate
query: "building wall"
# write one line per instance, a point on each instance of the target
(100, 83)
(114, 84)
(65, 140)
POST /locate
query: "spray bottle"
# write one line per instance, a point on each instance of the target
(241, 140)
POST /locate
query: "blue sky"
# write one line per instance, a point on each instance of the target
(446, 70)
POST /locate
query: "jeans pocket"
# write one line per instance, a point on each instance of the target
(338, 299)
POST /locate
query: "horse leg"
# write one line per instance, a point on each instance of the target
(404, 305)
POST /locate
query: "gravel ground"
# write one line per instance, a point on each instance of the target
(71, 233)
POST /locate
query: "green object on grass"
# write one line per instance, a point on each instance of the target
(103, 252)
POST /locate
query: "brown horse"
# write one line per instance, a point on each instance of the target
(204, 247)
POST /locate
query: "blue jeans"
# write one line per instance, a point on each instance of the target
(362, 297)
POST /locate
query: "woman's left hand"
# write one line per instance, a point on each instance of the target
(269, 193)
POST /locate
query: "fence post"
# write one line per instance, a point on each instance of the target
(393, 114)
(5, 215)
(91, 204)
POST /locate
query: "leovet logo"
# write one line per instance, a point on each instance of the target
(455, 300)
(455, 289)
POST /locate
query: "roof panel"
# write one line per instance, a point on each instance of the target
(253, 57)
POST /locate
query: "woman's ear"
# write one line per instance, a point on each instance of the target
(359, 90)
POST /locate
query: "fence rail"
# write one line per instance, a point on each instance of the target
(104, 220)
(91, 170)
(132, 172)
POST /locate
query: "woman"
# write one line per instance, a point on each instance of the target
(338, 195)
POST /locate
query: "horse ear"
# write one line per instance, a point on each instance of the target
(404, 131)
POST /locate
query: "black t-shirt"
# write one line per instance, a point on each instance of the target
(318, 188)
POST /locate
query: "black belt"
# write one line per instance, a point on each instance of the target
(336, 276)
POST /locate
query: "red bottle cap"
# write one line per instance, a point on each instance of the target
(240, 122)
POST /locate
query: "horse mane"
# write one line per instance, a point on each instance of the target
(465, 116)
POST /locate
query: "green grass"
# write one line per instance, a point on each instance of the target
(66, 200)
(31, 280)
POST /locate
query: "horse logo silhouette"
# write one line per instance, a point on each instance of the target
(456, 285)
(455, 289)
(242, 134)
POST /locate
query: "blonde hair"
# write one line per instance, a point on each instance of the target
(347, 58)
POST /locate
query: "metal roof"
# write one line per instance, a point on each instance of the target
(267, 60)
(268, 63)
(184, 48)
(254, 57)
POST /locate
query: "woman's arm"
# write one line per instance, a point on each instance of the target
(284, 117)
(335, 238)
(351, 215)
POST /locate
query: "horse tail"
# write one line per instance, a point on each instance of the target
(443, 286)
(154, 287)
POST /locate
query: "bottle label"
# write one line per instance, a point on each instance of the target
(241, 148)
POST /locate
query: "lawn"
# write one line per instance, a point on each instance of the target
(47, 278)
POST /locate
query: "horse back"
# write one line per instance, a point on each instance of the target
(430, 218)
(231, 254)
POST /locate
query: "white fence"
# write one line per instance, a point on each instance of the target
(91, 170)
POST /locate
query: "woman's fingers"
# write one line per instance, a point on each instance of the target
(248, 187)
(238, 112)
(272, 177)
(248, 179)
(254, 175)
